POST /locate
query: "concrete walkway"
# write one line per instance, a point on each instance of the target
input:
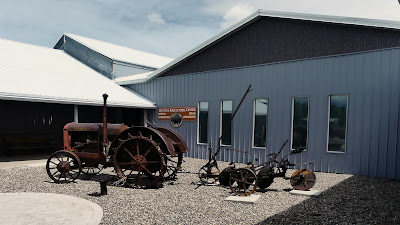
(45, 208)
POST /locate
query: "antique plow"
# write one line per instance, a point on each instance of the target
(210, 172)
(244, 181)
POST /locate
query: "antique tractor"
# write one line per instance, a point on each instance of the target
(141, 156)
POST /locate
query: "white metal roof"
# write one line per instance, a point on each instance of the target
(256, 15)
(123, 54)
(33, 73)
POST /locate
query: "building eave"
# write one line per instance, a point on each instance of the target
(70, 101)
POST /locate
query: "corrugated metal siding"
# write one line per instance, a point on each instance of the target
(371, 81)
(29, 120)
(270, 40)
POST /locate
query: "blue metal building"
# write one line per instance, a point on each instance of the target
(329, 84)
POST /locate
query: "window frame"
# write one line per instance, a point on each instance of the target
(308, 119)
(198, 122)
(347, 121)
(220, 122)
(254, 124)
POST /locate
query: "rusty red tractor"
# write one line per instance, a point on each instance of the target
(141, 156)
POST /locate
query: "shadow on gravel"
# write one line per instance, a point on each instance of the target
(357, 200)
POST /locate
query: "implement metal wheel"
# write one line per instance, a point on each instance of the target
(173, 166)
(225, 175)
(63, 166)
(208, 174)
(303, 179)
(265, 177)
(243, 181)
(139, 161)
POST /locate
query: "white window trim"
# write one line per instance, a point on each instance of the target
(347, 120)
(198, 122)
(291, 123)
(254, 123)
(220, 122)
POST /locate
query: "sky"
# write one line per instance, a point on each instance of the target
(164, 27)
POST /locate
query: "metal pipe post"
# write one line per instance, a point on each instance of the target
(105, 96)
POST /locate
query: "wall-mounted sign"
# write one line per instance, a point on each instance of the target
(187, 113)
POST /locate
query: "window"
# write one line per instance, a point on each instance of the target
(299, 122)
(226, 115)
(202, 123)
(337, 123)
(260, 122)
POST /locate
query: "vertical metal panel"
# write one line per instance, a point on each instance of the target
(371, 81)
(375, 115)
(384, 114)
(367, 106)
(353, 133)
(393, 115)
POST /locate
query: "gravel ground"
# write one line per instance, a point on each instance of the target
(346, 199)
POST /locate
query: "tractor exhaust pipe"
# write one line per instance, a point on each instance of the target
(105, 135)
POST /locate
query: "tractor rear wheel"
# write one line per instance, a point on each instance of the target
(140, 162)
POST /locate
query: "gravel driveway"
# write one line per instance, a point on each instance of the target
(346, 199)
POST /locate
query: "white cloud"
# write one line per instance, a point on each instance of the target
(156, 18)
(236, 13)
(136, 25)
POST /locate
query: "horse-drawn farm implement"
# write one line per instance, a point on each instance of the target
(245, 180)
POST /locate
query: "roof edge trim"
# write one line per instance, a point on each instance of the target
(333, 19)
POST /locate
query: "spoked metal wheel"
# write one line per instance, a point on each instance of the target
(140, 162)
(208, 174)
(63, 166)
(92, 170)
(225, 175)
(303, 179)
(243, 181)
(173, 166)
(265, 177)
